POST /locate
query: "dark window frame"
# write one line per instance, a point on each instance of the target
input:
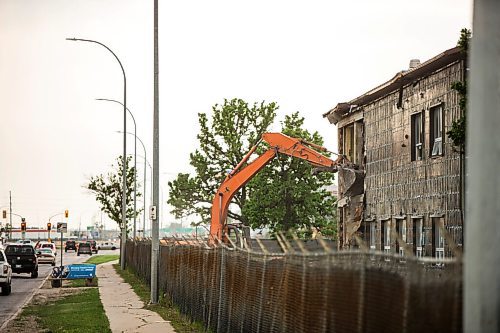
(348, 144)
(417, 142)
(436, 131)
(418, 235)
(438, 240)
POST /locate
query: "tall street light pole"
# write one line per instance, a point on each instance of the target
(143, 147)
(135, 160)
(155, 232)
(124, 172)
(151, 179)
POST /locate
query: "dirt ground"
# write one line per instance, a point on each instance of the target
(46, 294)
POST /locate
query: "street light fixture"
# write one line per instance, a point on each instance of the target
(151, 194)
(124, 175)
(144, 148)
(135, 159)
(151, 179)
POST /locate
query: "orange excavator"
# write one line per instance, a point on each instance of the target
(240, 175)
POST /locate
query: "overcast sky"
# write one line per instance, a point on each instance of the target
(305, 55)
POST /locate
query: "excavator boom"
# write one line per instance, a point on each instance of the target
(242, 174)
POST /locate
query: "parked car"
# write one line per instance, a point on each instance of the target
(47, 245)
(93, 246)
(84, 248)
(22, 258)
(46, 255)
(70, 245)
(5, 274)
(107, 246)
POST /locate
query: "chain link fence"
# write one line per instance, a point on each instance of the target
(235, 290)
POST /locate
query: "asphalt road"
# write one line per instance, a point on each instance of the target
(23, 286)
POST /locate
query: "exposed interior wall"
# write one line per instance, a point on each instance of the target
(351, 176)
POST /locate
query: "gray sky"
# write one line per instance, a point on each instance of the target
(305, 55)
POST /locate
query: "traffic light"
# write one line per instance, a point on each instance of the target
(23, 225)
(66, 213)
(49, 226)
(4, 214)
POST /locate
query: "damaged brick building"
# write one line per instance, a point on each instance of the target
(406, 181)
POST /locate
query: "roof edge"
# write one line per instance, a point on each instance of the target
(400, 79)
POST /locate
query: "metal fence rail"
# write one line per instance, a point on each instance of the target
(233, 290)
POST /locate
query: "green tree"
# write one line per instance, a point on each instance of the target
(286, 196)
(457, 133)
(234, 128)
(108, 191)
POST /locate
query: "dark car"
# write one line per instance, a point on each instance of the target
(84, 248)
(93, 246)
(22, 258)
(70, 245)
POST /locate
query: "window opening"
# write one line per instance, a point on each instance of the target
(418, 237)
(401, 230)
(436, 130)
(386, 236)
(438, 239)
(373, 234)
(417, 136)
(349, 142)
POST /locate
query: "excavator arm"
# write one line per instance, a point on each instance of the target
(241, 175)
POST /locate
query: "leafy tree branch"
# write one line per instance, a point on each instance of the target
(108, 191)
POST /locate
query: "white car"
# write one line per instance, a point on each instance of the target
(46, 255)
(47, 245)
(25, 241)
(5, 274)
(107, 246)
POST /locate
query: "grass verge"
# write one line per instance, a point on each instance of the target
(79, 283)
(81, 312)
(167, 311)
(101, 259)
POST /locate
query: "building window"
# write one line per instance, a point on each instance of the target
(418, 237)
(349, 142)
(438, 237)
(373, 235)
(386, 236)
(417, 136)
(352, 141)
(401, 231)
(436, 130)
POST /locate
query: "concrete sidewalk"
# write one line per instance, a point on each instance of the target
(124, 308)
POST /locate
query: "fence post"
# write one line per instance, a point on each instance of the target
(361, 306)
(262, 277)
(221, 286)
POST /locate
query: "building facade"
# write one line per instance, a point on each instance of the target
(403, 188)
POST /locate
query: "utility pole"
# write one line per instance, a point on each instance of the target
(481, 270)
(155, 241)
